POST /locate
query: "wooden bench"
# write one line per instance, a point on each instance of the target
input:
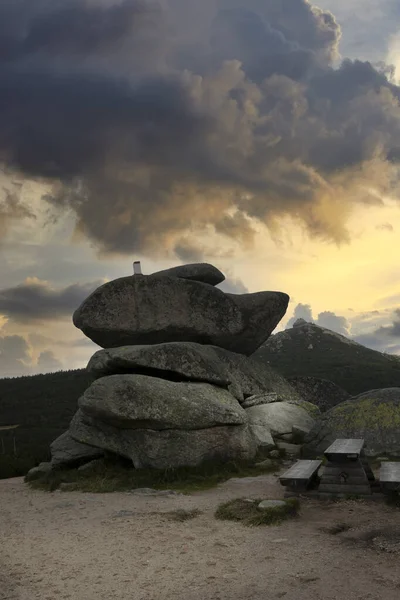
(301, 475)
(389, 476)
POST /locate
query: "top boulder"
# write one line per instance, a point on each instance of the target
(152, 309)
(202, 272)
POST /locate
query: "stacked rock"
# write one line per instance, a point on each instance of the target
(174, 375)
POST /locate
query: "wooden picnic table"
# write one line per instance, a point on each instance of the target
(347, 470)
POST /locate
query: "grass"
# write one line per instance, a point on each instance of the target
(248, 513)
(112, 475)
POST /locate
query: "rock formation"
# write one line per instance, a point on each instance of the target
(323, 393)
(152, 309)
(373, 416)
(168, 390)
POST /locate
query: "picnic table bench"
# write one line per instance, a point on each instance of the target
(389, 476)
(347, 470)
(301, 476)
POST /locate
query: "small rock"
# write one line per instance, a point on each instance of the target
(271, 504)
(274, 454)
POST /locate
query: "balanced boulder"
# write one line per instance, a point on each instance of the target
(142, 402)
(373, 416)
(152, 309)
(165, 449)
(188, 361)
(196, 272)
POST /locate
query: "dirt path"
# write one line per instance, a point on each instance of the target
(124, 547)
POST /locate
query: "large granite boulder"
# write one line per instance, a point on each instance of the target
(153, 309)
(187, 361)
(66, 451)
(323, 393)
(170, 448)
(373, 416)
(279, 418)
(142, 402)
(196, 272)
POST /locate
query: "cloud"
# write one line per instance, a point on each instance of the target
(48, 363)
(385, 227)
(378, 330)
(233, 285)
(152, 119)
(385, 338)
(301, 311)
(329, 320)
(326, 319)
(15, 358)
(37, 300)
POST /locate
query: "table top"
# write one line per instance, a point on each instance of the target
(342, 448)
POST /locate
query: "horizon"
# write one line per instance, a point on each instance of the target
(261, 140)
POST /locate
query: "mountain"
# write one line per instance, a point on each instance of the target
(310, 350)
(42, 406)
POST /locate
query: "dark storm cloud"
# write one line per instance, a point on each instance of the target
(152, 119)
(385, 338)
(35, 300)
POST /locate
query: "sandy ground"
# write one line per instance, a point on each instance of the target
(69, 545)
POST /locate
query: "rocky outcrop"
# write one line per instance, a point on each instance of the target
(166, 449)
(187, 361)
(43, 469)
(321, 392)
(373, 416)
(154, 309)
(202, 272)
(174, 385)
(142, 402)
(279, 418)
(67, 451)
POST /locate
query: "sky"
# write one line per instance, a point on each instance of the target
(262, 136)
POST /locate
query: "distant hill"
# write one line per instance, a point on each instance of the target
(310, 350)
(42, 406)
